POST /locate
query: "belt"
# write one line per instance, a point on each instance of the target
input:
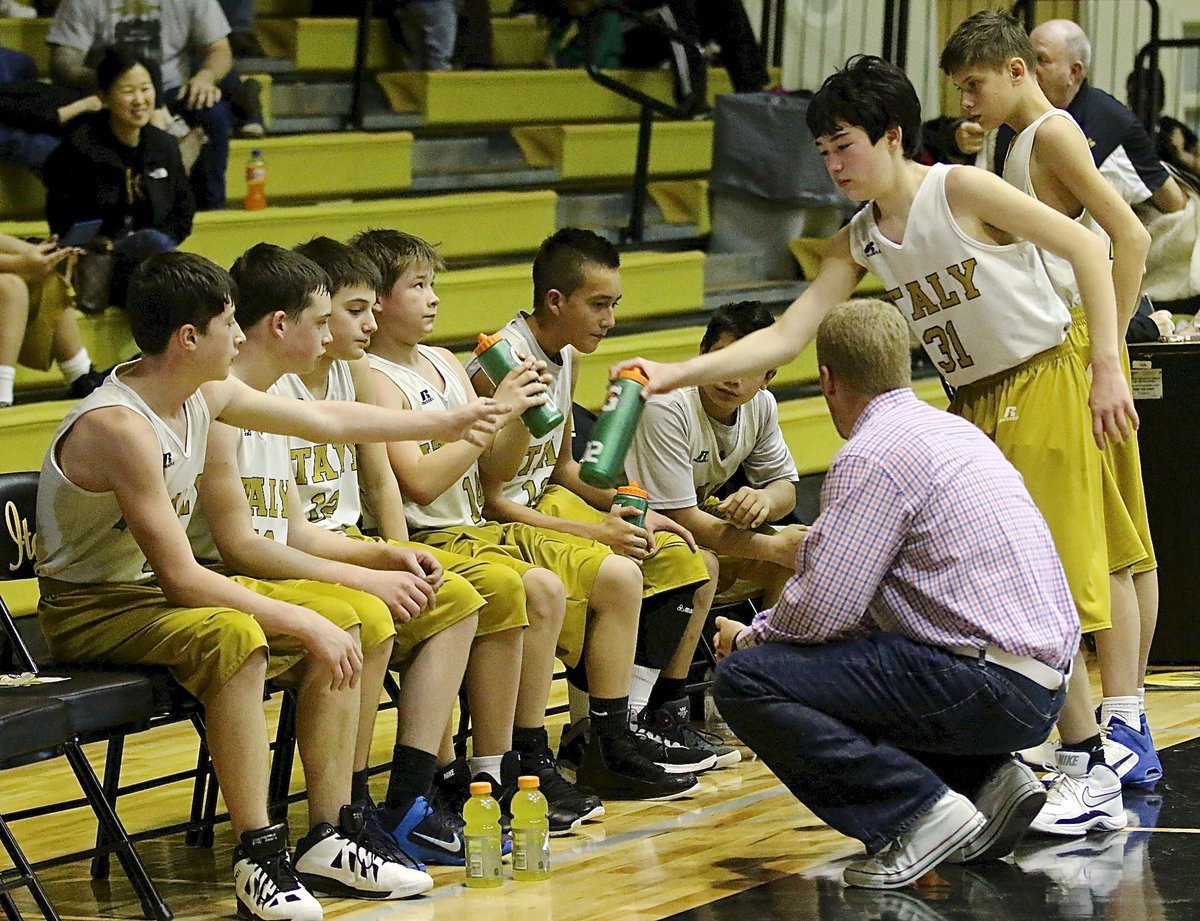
(1038, 672)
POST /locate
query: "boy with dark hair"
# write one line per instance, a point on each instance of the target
(576, 287)
(990, 58)
(691, 442)
(329, 479)
(119, 582)
(953, 246)
(445, 509)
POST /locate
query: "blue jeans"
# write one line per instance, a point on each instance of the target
(208, 173)
(869, 733)
(240, 14)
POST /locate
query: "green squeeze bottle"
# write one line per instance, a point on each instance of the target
(497, 358)
(530, 831)
(634, 497)
(603, 461)
(482, 837)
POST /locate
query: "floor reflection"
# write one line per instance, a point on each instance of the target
(1137, 874)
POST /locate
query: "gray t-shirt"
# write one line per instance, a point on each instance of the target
(162, 30)
(681, 456)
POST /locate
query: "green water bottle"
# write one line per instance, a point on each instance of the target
(482, 837)
(603, 461)
(634, 497)
(530, 831)
(497, 358)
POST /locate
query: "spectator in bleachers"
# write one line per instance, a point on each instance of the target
(168, 35)
(117, 167)
(425, 30)
(1174, 142)
(34, 115)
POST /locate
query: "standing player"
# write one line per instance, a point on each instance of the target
(119, 583)
(577, 285)
(444, 508)
(992, 60)
(948, 243)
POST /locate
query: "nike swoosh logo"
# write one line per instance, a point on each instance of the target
(452, 847)
(1124, 761)
(1089, 800)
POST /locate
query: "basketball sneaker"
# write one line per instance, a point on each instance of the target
(265, 882)
(426, 834)
(950, 824)
(557, 789)
(1075, 804)
(672, 756)
(1130, 752)
(1009, 799)
(615, 767)
(560, 819)
(329, 860)
(671, 721)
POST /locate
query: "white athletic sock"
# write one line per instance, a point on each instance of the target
(1141, 700)
(76, 367)
(486, 764)
(640, 687)
(577, 702)
(7, 374)
(1124, 707)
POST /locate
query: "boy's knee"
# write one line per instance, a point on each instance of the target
(620, 574)
(13, 290)
(544, 593)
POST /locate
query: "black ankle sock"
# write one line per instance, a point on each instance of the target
(1093, 746)
(530, 741)
(411, 776)
(609, 715)
(360, 788)
(666, 690)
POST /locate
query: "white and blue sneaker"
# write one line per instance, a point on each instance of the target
(1130, 752)
(1076, 804)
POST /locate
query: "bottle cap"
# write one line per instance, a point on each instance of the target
(634, 374)
(256, 153)
(633, 490)
(481, 788)
(528, 782)
(486, 342)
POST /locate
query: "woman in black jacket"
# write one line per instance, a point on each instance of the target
(118, 168)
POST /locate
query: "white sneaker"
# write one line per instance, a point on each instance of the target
(1076, 805)
(264, 881)
(327, 861)
(951, 823)
(13, 10)
(1040, 757)
(1009, 799)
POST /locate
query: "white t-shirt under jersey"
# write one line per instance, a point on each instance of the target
(681, 456)
(1016, 173)
(542, 454)
(326, 473)
(81, 535)
(978, 308)
(462, 504)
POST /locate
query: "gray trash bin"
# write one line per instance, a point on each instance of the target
(768, 183)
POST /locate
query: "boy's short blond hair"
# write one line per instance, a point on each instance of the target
(865, 346)
(396, 253)
(988, 38)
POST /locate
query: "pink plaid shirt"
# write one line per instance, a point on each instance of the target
(926, 530)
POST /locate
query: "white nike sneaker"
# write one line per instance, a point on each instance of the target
(1040, 757)
(947, 826)
(1076, 805)
(331, 861)
(264, 881)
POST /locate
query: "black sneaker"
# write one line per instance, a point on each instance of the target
(330, 861)
(557, 789)
(264, 881)
(451, 790)
(573, 744)
(615, 768)
(671, 755)
(85, 384)
(671, 722)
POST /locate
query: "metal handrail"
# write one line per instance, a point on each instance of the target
(1145, 71)
(693, 101)
(354, 120)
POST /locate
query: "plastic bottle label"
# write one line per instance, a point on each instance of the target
(483, 857)
(531, 850)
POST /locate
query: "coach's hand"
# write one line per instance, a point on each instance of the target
(727, 631)
(785, 544)
(334, 650)
(622, 536)
(1114, 416)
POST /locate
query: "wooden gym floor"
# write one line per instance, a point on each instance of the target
(742, 847)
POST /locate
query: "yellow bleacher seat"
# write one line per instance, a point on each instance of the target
(29, 36)
(25, 432)
(609, 151)
(808, 252)
(22, 194)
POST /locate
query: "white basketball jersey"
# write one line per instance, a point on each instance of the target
(542, 454)
(1016, 173)
(81, 535)
(265, 470)
(326, 473)
(978, 308)
(461, 504)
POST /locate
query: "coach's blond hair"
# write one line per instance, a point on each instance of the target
(864, 344)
